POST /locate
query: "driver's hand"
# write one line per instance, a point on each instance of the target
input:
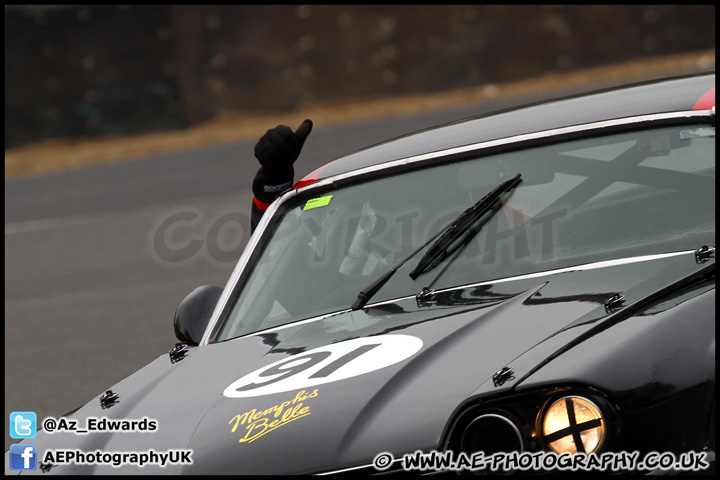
(278, 149)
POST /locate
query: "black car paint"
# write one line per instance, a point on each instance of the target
(646, 99)
(552, 333)
(464, 344)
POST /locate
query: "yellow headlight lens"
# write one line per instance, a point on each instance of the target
(573, 424)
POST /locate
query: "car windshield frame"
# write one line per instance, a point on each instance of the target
(483, 151)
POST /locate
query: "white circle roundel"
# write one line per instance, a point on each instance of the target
(330, 363)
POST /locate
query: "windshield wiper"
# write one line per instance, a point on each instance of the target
(441, 249)
(463, 228)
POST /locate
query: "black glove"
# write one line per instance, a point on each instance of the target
(276, 151)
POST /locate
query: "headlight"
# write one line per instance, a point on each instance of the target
(572, 424)
(492, 433)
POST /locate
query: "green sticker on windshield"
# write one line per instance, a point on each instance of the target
(317, 202)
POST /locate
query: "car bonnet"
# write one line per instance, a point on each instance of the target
(335, 391)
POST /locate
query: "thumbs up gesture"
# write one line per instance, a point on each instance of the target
(278, 149)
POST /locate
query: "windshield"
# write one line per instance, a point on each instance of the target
(582, 201)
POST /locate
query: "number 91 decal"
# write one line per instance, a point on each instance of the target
(330, 363)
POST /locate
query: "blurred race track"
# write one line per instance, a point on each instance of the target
(97, 259)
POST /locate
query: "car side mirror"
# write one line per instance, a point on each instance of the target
(194, 313)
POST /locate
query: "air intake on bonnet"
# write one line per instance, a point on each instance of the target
(491, 433)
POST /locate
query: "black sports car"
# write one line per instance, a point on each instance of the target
(532, 290)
